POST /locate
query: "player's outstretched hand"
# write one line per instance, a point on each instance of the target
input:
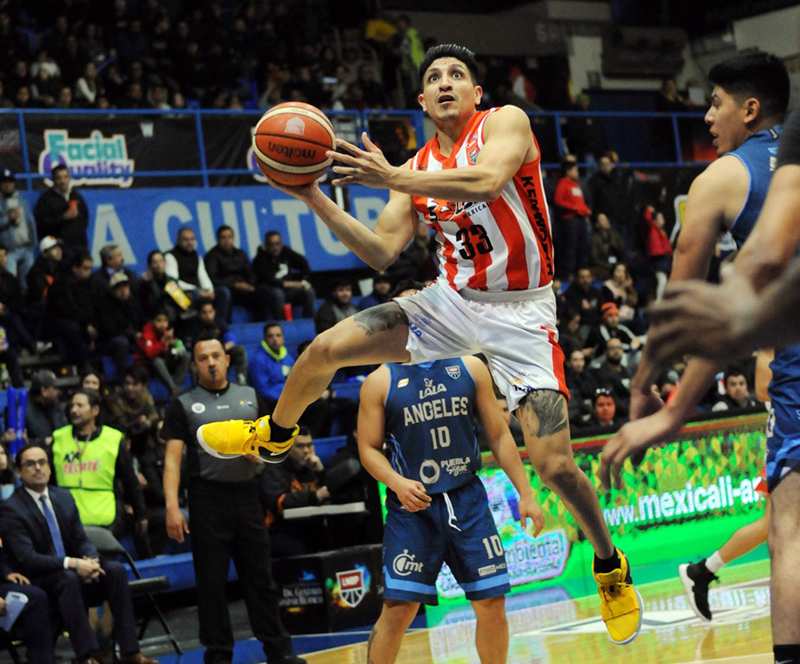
(633, 440)
(412, 495)
(368, 167)
(698, 318)
(529, 509)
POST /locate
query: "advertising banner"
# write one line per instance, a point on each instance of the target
(683, 501)
(139, 220)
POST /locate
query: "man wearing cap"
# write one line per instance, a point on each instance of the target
(40, 278)
(46, 411)
(17, 227)
(611, 328)
(119, 320)
(62, 212)
(337, 307)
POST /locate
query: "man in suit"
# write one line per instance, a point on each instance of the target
(34, 620)
(49, 545)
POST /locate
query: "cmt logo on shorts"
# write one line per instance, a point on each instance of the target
(404, 564)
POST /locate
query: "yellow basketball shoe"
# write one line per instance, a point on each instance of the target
(234, 438)
(620, 602)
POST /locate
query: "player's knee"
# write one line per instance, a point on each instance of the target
(491, 611)
(558, 471)
(399, 614)
(323, 351)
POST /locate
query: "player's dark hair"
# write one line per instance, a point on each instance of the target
(758, 75)
(92, 396)
(406, 284)
(461, 53)
(207, 335)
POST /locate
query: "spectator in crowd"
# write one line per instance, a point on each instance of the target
(185, 266)
(207, 322)
(606, 248)
(381, 292)
(131, 409)
(285, 273)
(8, 479)
(582, 385)
(12, 308)
(40, 278)
(225, 511)
(72, 304)
(160, 351)
(572, 335)
(88, 86)
(112, 262)
(657, 247)
(611, 374)
(611, 328)
(62, 212)
(610, 193)
(119, 319)
(230, 271)
(46, 411)
(604, 410)
(417, 261)
(60, 560)
(270, 365)
(34, 619)
(159, 292)
(737, 393)
(94, 463)
(585, 134)
(45, 88)
(669, 99)
(17, 228)
(336, 308)
(619, 290)
(298, 482)
(573, 214)
(584, 298)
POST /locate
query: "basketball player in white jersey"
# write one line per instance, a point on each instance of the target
(478, 184)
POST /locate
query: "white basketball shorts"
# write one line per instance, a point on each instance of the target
(515, 331)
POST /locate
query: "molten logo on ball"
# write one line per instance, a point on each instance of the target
(290, 152)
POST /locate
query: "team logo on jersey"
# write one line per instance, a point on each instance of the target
(404, 564)
(429, 471)
(454, 372)
(351, 587)
(198, 408)
(431, 389)
(402, 382)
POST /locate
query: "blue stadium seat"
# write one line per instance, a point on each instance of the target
(327, 447)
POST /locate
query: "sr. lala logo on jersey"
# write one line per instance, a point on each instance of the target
(431, 389)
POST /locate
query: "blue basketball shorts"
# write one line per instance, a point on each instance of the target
(458, 529)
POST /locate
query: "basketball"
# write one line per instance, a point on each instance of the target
(290, 142)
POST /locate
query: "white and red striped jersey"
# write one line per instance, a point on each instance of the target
(506, 244)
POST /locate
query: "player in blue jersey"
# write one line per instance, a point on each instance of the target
(756, 306)
(748, 105)
(437, 508)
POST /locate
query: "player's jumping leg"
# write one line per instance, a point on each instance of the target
(491, 631)
(696, 577)
(545, 425)
(372, 336)
(784, 550)
(387, 635)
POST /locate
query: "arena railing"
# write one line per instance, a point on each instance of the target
(194, 147)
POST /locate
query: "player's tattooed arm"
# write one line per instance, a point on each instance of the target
(381, 318)
(546, 412)
(372, 636)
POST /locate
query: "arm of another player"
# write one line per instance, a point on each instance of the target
(371, 428)
(508, 144)
(502, 444)
(176, 522)
(379, 248)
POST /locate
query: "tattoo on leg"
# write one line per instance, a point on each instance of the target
(372, 636)
(380, 318)
(547, 407)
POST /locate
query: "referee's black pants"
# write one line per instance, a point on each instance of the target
(227, 522)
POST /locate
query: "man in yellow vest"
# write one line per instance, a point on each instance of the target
(88, 459)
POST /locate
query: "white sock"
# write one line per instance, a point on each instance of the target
(715, 563)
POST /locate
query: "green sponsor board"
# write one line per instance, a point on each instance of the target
(683, 501)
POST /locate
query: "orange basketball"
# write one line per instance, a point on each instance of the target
(290, 142)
